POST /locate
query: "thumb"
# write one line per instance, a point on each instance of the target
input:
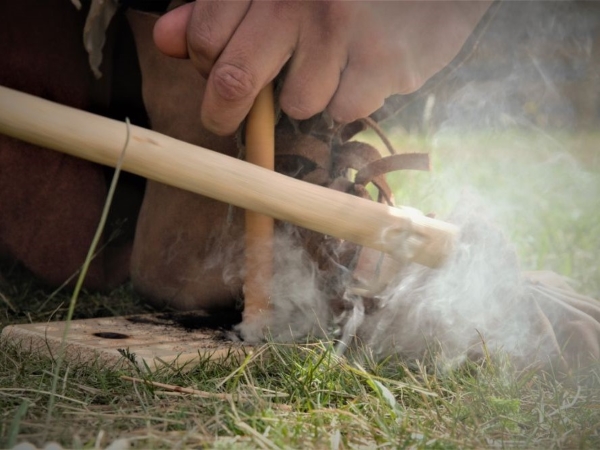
(170, 31)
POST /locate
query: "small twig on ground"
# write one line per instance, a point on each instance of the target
(183, 390)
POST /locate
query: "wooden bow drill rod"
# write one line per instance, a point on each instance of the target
(403, 233)
(260, 150)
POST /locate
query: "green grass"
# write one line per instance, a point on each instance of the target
(544, 191)
(300, 397)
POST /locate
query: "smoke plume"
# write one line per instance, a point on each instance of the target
(502, 126)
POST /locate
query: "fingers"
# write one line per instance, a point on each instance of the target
(312, 78)
(361, 91)
(199, 31)
(251, 59)
(373, 73)
(241, 46)
(347, 57)
(210, 29)
(352, 102)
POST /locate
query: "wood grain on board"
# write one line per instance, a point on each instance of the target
(157, 340)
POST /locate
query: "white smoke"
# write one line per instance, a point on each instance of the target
(480, 298)
(477, 297)
(521, 174)
(300, 306)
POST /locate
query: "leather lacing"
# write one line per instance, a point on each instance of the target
(317, 152)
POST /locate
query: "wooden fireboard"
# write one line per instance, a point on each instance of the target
(155, 340)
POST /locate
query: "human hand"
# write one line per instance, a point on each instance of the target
(345, 57)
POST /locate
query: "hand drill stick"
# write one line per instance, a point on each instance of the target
(260, 150)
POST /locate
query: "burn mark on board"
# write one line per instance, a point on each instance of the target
(110, 335)
(193, 320)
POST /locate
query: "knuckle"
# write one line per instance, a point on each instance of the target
(233, 82)
(201, 40)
